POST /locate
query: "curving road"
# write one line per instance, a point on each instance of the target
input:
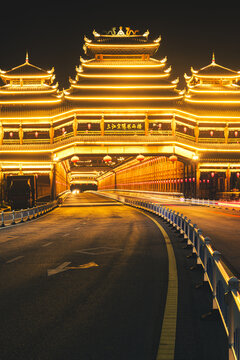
(89, 281)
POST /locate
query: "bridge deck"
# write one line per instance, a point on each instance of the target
(90, 282)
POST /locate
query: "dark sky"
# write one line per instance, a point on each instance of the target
(53, 32)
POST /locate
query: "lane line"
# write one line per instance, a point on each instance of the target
(166, 348)
(14, 259)
(224, 214)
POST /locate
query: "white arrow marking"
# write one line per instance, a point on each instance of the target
(64, 267)
(58, 269)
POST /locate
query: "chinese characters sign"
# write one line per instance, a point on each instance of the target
(124, 126)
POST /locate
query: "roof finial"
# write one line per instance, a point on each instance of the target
(213, 58)
(26, 57)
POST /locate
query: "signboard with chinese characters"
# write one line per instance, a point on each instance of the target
(124, 126)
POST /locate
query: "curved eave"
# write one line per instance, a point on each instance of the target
(220, 76)
(99, 98)
(205, 101)
(123, 46)
(27, 92)
(77, 86)
(165, 75)
(30, 101)
(22, 76)
(211, 91)
(123, 66)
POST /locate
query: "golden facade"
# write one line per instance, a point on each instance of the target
(123, 101)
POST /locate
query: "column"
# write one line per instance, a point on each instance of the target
(146, 124)
(198, 175)
(227, 180)
(75, 125)
(1, 133)
(52, 176)
(102, 125)
(51, 133)
(1, 187)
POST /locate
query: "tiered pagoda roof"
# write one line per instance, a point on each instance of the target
(122, 74)
(213, 90)
(28, 88)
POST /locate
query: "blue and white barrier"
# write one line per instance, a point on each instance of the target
(19, 216)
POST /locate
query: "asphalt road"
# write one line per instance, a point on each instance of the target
(89, 280)
(221, 225)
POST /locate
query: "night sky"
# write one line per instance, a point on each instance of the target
(53, 33)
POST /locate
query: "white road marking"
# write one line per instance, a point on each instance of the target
(47, 244)
(58, 269)
(14, 259)
(99, 250)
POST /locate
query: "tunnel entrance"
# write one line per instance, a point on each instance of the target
(21, 192)
(83, 187)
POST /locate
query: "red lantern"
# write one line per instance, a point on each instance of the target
(238, 174)
(107, 159)
(89, 126)
(140, 158)
(236, 133)
(11, 134)
(159, 126)
(211, 132)
(63, 130)
(36, 134)
(75, 159)
(212, 174)
(185, 129)
(173, 158)
(208, 180)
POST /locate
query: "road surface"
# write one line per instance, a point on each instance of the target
(89, 281)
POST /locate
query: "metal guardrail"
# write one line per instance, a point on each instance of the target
(19, 216)
(225, 289)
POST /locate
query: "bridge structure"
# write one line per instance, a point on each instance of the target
(123, 123)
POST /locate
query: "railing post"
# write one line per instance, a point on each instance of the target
(28, 214)
(173, 218)
(13, 218)
(188, 232)
(207, 241)
(199, 233)
(2, 219)
(21, 216)
(216, 256)
(233, 286)
(194, 237)
(181, 224)
(185, 227)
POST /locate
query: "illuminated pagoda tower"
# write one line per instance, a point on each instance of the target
(28, 99)
(211, 105)
(123, 85)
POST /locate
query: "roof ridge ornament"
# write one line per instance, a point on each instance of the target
(26, 60)
(121, 32)
(213, 59)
